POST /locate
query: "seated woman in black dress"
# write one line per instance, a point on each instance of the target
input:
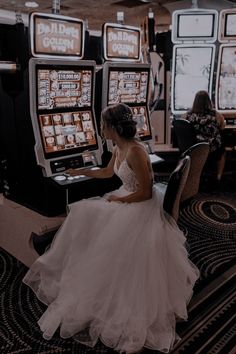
(208, 125)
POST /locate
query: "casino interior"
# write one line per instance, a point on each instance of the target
(61, 63)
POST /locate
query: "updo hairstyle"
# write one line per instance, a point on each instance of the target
(120, 117)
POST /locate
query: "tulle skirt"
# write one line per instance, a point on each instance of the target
(117, 272)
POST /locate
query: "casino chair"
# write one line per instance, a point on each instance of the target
(184, 133)
(186, 139)
(198, 154)
(175, 187)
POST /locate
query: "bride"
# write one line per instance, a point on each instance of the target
(118, 269)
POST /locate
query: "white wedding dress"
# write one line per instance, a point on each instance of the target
(118, 272)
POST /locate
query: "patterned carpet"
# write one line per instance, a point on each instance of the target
(210, 224)
(211, 326)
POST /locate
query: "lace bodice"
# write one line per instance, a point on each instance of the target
(126, 175)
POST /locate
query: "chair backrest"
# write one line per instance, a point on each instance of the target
(198, 154)
(175, 187)
(185, 134)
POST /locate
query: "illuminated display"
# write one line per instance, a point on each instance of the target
(121, 42)
(62, 114)
(227, 25)
(230, 25)
(226, 79)
(192, 71)
(128, 86)
(140, 115)
(68, 130)
(195, 25)
(64, 88)
(64, 109)
(55, 35)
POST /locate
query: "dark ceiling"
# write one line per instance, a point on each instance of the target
(97, 12)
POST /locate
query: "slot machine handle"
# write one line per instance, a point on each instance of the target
(155, 103)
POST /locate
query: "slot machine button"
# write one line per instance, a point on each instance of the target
(60, 178)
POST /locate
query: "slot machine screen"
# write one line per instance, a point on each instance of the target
(130, 86)
(195, 25)
(192, 71)
(230, 26)
(141, 117)
(226, 79)
(64, 109)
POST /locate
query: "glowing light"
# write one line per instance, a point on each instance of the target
(31, 4)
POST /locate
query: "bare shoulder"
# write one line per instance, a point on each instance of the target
(114, 152)
(137, 151)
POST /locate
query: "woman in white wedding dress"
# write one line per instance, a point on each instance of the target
(117, 269)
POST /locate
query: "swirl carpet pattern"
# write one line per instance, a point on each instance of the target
(210, 225)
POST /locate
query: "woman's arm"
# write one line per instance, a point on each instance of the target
(105, 172)
(221, 120)
(137, 160)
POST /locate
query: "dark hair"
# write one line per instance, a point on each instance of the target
(202, 103)
(120, 117)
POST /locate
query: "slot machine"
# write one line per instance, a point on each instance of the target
(125, 79)
(63, 118)
(62, 97)
(194, 32)
(225, 97)
(48, 115)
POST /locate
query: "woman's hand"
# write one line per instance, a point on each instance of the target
(73, 172)
(113, 198)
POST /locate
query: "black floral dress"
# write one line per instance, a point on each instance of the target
(207, 129)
